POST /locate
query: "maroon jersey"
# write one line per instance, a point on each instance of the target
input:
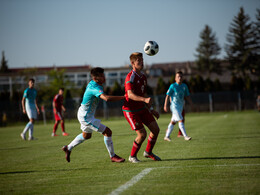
(58, 101)
(138, 84)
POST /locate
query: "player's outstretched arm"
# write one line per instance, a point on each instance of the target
(111, 98)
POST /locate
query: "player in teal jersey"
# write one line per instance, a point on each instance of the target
(30, 108)
(86, 115)
(176, 94)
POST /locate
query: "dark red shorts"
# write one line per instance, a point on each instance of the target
(137, 119)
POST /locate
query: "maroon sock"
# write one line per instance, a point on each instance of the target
(135, 149)
(179, 132)
(150, 144)
(62, 126)
(55, 127)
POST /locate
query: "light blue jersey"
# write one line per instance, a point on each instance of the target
(177, 93)
(30, 96)
(30, 107)
(91, 98)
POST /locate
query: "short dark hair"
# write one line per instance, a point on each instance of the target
(31, 79)
(96, 71)
(61, 88)
(179, 72)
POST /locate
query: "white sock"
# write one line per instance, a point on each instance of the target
(109, 144)
(78, 140)
(26, 128)
(182, 128)
(169, 130)
(31, 131)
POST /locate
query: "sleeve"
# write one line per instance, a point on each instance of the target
(25, 93)
(128, 83)
(98, 91)
(169, 92)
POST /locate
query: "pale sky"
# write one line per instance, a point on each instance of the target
(105, 32)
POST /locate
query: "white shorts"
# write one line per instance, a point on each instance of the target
(31, 112)
(176, 114)
(89, 125)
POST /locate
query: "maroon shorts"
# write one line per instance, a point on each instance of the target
(137, 119)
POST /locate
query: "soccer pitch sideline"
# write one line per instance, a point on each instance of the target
(223, 157)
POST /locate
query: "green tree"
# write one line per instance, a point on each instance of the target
(117, 90)
(161, 87)
(255, 66)
(4, 66)
(240, 44)
(207, 52)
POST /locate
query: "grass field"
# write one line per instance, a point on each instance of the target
(222, 158)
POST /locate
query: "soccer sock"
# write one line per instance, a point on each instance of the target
(150, 144)
(179, 133)
(26, 128)
(182, 128)
(109, 144)
(169, 130)
(31, 131)
(62, 126)
(55, 127)
(78, 140)
(136, 147)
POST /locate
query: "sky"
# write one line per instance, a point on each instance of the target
(40, 33)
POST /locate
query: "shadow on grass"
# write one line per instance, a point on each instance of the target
(56, 170)
(213, 158)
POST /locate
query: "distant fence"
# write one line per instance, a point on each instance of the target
(203, 102)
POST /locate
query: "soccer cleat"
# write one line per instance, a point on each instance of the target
(187, 138)
(152, 156)
(65, 134)
(118, 159)
(179, 135)
(23, 136)
(32, 138)
(167, 139)
(133, 159)
(65, 149)
(54, 134)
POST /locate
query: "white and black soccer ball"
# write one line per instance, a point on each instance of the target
(151, 48)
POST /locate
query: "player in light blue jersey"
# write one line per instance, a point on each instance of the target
(30, 108)
(176, 94)
(86, 115)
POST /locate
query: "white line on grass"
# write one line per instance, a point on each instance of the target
(136, 178)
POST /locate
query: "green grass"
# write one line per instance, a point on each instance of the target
(222, 158)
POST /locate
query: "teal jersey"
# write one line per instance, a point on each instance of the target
(91, 97)
(177, 93)
(30, 96)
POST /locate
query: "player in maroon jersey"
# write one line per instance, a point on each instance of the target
(138, 111)
(57, 110)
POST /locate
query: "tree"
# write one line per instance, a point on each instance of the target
(161, 87)
(240, 44)
(117, 90)
(4, 66)
(255, 67)
(207, 52)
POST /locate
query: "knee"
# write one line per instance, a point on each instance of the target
(107, 132)
(87, 135)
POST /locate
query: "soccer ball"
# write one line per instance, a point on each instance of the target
(151, 48)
